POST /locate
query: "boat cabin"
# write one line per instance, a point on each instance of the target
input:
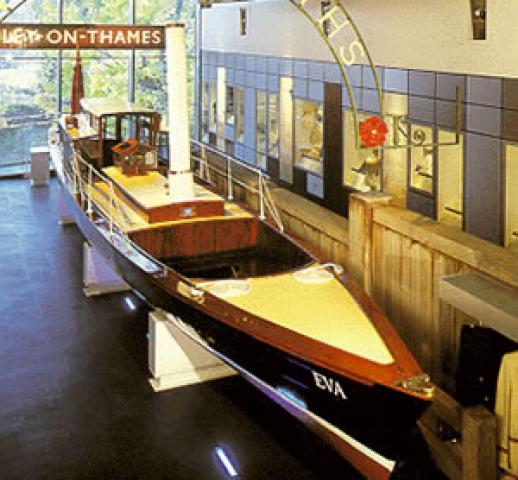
(111, 122)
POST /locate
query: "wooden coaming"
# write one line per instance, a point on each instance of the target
(198, 238)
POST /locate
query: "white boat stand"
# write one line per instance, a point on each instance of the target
(98, 276)
(175, 360)
(64, 215)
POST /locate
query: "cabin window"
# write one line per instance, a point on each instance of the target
(422, 160)
(230, 117)
(243, 22)
(450, 174)
(260, 145)
(273, 125)
(309, 135)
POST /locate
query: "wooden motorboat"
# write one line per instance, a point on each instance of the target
(299, 329)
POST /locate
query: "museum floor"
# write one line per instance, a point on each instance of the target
(74, 396)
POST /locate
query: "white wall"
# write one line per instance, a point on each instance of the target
(417, 34)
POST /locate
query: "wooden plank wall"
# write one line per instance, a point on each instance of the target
(403, 263)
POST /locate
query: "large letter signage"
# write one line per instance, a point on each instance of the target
(51, 36)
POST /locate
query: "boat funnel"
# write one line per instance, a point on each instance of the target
(180, 177)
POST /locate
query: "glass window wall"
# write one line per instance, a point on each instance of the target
(240, 114)
(35, 85)
(260, 138)
(273, 125)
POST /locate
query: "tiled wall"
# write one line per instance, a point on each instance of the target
(490, 116)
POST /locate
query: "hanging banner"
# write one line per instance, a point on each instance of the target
(37, 36)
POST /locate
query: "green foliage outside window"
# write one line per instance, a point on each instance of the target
(29, 79)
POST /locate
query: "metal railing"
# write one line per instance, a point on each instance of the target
(261, 189)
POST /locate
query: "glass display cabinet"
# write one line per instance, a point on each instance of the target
(450, 180)
(422, 160)
(511, 192)
(260, 135)
(239, 109)
(230, 116)
(273, 125)
(309, 136)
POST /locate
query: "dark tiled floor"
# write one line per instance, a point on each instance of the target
(74, 398)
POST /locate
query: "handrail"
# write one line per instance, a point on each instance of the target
(266, 202)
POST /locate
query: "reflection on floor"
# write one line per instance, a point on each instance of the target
(75, 401)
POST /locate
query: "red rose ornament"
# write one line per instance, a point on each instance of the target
(373, 131)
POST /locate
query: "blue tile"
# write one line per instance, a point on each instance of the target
(422, 83)
(421, 109)
(273, 83)
(229, 132)
(239, 151)
(220, 58)
(250, 63)
(240, 77)
(483, 181)
(370, 101)
(261, 64)
(212, 73)
(316, 71)
(447, 114)
(205, 72)
(300, 69)
(354, 73)
(240, 62)
(212, 58)
(250, 156)
(273, 65)
(300, 88)
(261, 81)
(447, 84)
(332, 72)
(229, 60)
(286, 66)
(368, 77)
(484, 90)
(316, 91)
(314, 185)
(230, 77)
(205, 57)
(251, 79)
(396, 80)
(483, 119)
(357, 92)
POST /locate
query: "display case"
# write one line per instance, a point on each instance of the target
(511, 197)
(450, 176)
(239, 109)
(273, 125)
(260, 135)
(230, 116)
(211, 107)
(422, 160)
(309, 135)
(361, 166)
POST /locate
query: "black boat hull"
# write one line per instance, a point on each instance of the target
(376, 422)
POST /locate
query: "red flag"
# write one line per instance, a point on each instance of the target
(78, 91)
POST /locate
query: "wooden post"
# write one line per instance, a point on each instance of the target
(361, 207)
(478, 444)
